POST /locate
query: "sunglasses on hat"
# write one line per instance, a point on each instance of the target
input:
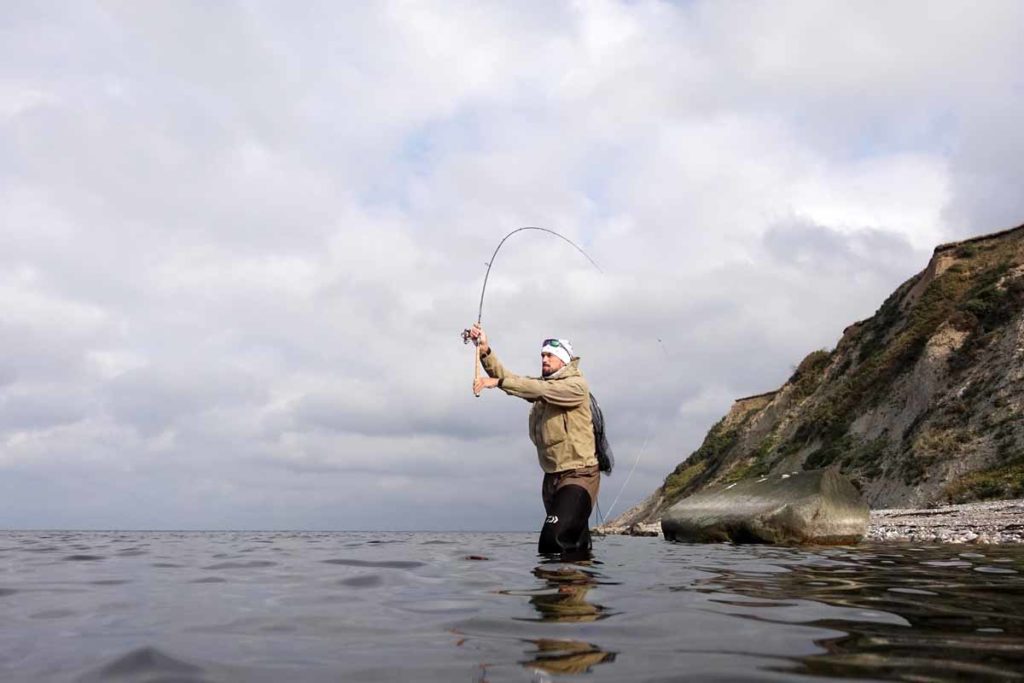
(552, 342)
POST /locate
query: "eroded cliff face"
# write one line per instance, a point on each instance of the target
(919, 404)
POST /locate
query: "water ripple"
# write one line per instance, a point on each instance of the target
(386, 564)
(147, 663)
(254, 564)
(240, 606)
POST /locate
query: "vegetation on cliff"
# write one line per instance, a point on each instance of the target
(919, 404)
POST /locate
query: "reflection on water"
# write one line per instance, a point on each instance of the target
(459, 606)
(566, 656)
(918, 613)
(565, 600)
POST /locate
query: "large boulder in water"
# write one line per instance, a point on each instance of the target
(818, 506)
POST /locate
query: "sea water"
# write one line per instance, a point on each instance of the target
(294, 606)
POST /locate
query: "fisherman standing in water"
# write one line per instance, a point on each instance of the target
(563, 432)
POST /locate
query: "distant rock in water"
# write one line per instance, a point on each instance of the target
(920, 405)
(820, 506)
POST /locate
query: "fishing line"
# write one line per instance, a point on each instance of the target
(490, 264)
(650, 426)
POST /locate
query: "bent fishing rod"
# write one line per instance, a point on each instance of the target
(483, 291)
(490, 264)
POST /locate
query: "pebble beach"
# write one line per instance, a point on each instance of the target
(990, 522)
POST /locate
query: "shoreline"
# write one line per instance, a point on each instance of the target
(989, 522)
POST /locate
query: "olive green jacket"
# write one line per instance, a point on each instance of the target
(560, 424)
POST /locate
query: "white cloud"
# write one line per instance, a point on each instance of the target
(904, 191)
(237, 244)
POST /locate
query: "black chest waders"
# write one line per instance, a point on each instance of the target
(566, 529)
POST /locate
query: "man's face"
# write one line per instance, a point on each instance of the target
(550, 364)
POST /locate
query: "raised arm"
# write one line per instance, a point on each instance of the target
(566, 393)
(493, 366)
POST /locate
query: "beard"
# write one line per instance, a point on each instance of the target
(550, 371)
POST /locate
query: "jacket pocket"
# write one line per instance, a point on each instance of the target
(552, 427)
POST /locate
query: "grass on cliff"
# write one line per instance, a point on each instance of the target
(979, 293)
(990, 304)
(680, 478)
(850, 452)
(718, 442)
(974, 295)
(809, 373)
(1005, 481)
(882, 363)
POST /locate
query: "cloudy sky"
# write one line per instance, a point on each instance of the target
(238, 242)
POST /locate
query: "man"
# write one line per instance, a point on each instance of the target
(562, 430)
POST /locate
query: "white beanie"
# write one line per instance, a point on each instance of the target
(560, 348)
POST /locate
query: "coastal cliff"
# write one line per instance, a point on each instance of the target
(919, 405)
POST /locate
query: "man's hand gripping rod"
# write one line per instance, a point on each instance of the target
(466, 339)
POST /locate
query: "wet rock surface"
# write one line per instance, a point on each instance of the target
(816, 506)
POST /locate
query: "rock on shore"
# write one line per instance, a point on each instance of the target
(809, 507)
(1000, 521)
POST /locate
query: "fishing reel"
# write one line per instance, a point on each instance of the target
(466, 337)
